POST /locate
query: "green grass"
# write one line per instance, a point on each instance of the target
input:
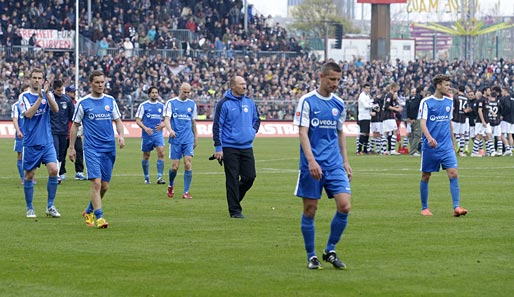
(156, 246)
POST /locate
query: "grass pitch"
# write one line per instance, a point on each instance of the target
(156, 246)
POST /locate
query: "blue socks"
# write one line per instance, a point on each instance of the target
(336, 230)
(20, 169)
(172, 174)
(146, 166)
(160, 168)
(423, 192)
(89, 208)
(188, 176)
(99, 213)
(51, 188)
(28, 189)
(308, 232)
(455, 191)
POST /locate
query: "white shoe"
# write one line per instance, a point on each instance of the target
(476, 155)
(53, 212)
(463, 154)
(393, 152)
(63, 177)
(416, 154)
(507, 153)
(31, 214)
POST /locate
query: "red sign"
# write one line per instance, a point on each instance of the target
(381, 1)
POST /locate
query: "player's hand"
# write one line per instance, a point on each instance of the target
(349, 171)
(47, 86)
(72, 154)
(148, 131)
(432, 142)
(121, 141)
(315, 170)
(172, 134)
(195, 143)
(20, 134)
(218, 155)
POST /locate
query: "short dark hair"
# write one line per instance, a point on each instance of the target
(330, 66)
(94, 74)
(150, 89)
(440, 78)
(366, 85)
(462, 88)
(57, 84)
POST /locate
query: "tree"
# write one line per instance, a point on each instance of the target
(314, 17)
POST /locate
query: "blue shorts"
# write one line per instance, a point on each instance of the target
(18, 145)
(33, 156)
(148, 143)
(99, 164)
(177, 151)
(432, 160)
(334, 181)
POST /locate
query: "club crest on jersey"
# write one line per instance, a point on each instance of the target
(335, 112)
(245, 109)
(447, 109)
(189, 109)
(64, 105)
(43, 101)
(107, 108)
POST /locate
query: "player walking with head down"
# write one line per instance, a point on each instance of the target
(435, 116)
(320, 116)
(96, 112)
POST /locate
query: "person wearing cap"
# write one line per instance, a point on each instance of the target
(79, 161)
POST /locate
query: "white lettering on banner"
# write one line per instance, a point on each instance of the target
(204, 128)
(64, 39)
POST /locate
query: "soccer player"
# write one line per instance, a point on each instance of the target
(507, 124)
(149, 119)
(391, 106)
(17, 120)
(460, 121)
(320, 117)
(236, 122)
(38, 147)
(364, 118)
(96, 112)
(482, 126)
(60, 123)
(438, 150)
(180, 115)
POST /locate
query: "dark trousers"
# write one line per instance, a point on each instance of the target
(61, 147)
(79, 161)
(239, 176)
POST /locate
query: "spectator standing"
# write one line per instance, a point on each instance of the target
(38, 146)
(320, 117)
(149, 119)
(236, 122)
(180, 115)
(364, 118)
(96, 112)
(412, 106)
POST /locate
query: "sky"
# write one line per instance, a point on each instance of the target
(279, 8)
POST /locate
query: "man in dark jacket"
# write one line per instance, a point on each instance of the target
(412, 106)
(236, 122)
(60, 123)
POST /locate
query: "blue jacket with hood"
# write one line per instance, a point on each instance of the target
(236, 122)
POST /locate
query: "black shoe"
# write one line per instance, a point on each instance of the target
(331, 257)
(160, 181)
(237, 216)
(314, 263)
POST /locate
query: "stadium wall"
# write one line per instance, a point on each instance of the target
(268, 129)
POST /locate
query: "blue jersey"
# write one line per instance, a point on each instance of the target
(36, 129)
(96, 116)
(16, 113)
(324, 116)
(151, 115)
(181, 114)
(438, 115)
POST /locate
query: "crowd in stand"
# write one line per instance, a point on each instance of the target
(274, 81)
